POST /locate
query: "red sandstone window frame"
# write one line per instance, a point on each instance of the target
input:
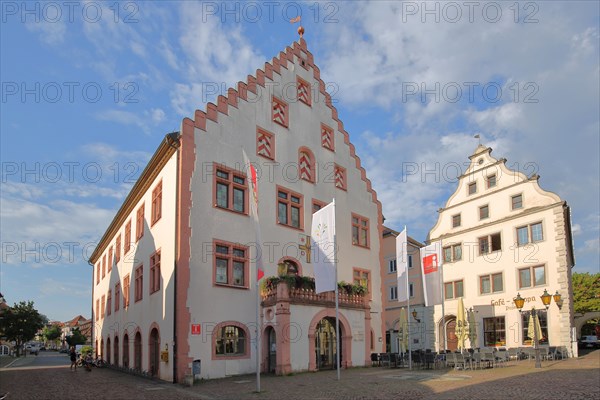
(139, 223)
(360, 225)
(326, 130)
(117, 296)
(139, 283)
(127, 244)
(97, 309)
(270, 138)
(229, 356)
(156, 209)
(126, 290)
(286, 197)
(301, 82)
(155, 272)
(103, 266)
(317, 205)
(338, 169)
(359, 275)
(102, 306)
(311, 164)
(98, 273)
(118, 248)
(231, 255)
(286, 112)
(110, 259)
(230, 179)
(109, 302)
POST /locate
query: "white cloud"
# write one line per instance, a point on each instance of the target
(52, 33)
(213, 54)
(147, 120)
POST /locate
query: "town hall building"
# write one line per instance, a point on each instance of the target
(174, 290)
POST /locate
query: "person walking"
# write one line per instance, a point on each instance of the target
(73, 356)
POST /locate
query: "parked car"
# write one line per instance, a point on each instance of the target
(589, 342)
(32, 348)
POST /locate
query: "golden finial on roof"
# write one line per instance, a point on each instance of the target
(300, 28)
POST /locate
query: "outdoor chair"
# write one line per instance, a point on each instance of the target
(514, 353)
(451, 360)
(476, 360)
(545, 353)
(393, 360)
(488, 358)
(385, 359)
(563, 352)
(375, 360)
(502, 358)
(459, 361)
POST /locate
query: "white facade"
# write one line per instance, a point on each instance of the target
(504, 236)
(202, 318)
(155, 310)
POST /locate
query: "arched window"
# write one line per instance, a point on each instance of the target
(287, 267)
(108, 349)
(137, 352)
(306, 165)
(126, 351)
(230, 341)
(116, 350)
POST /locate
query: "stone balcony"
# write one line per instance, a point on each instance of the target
(301, 296)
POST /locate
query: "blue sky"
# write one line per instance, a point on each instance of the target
(90, 88)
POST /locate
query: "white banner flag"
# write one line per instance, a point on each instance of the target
(431, 268)
(253, 186)
(323, 244)
(402, 265)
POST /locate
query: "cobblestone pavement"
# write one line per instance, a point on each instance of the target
(563, 379)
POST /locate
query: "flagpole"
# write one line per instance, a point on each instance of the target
(408, 304)
(337, 306)
(258, 334)
(441, 263)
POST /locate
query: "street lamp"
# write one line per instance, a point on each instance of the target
(546, 299)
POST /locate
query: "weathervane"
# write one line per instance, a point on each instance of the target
(300, 28)
(478, 137)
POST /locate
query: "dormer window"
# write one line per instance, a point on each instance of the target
(472, 188)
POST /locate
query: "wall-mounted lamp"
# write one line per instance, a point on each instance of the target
(414, 314)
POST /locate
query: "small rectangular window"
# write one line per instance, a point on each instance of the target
(472, 188)
(517, 202)
(484, 212)
(456, 220)
(491, 181)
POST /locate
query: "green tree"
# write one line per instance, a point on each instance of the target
(76, 337)
(52, 333)
(586, 292)
(21, 323)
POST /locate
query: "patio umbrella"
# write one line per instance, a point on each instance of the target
(403, 333)
(534, 327)
(461, 324)
(472, 329)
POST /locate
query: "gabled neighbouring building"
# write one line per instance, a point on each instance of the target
(174, 278)
(502, 236)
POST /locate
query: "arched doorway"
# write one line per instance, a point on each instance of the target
(326, 344)
(116, 350)
(154, 351)
(108, 349)
(450, 323)
(126, 351)
(271, 350)
(101, 349)
(137, 352)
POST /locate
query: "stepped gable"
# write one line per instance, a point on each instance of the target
(281, 61)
